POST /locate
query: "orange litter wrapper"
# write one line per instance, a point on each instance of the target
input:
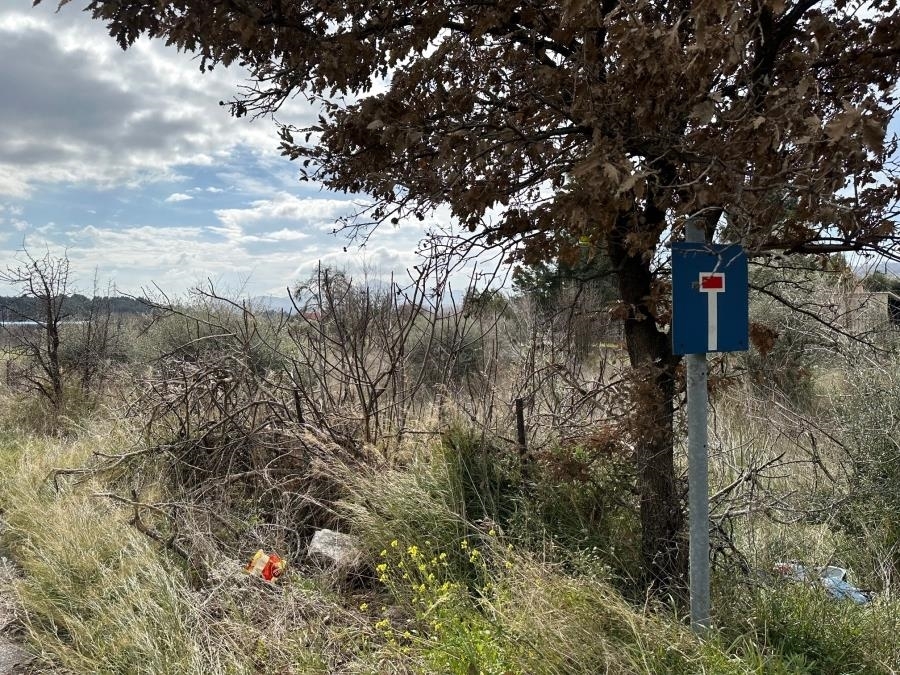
(267, 566)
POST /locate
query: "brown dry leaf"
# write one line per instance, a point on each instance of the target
(762, 337)
(612, 173)
(839, 127)
(704, 112)
(873, 134)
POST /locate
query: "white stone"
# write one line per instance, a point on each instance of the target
(335, 549)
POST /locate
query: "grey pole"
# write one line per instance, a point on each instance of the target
(698, 477)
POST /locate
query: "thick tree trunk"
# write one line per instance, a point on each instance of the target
(663, 547)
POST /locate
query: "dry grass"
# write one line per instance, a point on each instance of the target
(98, 596)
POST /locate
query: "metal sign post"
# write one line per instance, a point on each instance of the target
(698, 470)
(709, 314)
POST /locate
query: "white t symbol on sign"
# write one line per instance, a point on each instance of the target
(712, 283)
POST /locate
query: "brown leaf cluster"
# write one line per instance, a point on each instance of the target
(762, 337)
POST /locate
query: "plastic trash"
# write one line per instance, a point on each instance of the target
(267, 566)
(833, 579)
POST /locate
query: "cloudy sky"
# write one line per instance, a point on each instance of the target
(126, 162)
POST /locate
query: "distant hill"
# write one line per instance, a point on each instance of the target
(15, 308)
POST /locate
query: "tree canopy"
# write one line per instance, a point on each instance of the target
(545, 124)
(576, 116)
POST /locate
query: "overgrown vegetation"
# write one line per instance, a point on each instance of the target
(551, 129)
(226, 428)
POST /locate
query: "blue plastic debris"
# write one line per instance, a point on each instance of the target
(832, 578)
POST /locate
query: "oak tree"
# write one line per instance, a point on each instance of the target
(540, 123)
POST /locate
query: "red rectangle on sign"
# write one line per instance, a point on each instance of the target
(712, 282)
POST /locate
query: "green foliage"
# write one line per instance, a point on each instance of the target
(486, 473)
(486, 302)
(447, 627)
(99, 597)
(583, 499)
(549, 283)
(448, 348)
(210, 330)
(498, 611)
(29, 413)
(77, 348)
(572, 297)
(77, 306)
(800, 626)
(423, 500)
(869, 416)
(793, 320)
(878, 282)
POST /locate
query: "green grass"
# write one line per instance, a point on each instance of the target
(812, 632)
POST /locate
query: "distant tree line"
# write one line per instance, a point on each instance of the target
(77, 306)
(880, 282)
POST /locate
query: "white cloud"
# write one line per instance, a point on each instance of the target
(97, 125)
(174, 258)
(236, 235)
(285, 206)
(11, 184)
(84, 112)
(283, 235)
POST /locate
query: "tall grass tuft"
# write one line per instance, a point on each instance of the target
(813, 632)
(99, 597)
(422, 500)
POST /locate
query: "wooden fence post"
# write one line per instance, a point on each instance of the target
(521, 441)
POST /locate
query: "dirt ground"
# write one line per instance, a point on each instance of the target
(14, 659)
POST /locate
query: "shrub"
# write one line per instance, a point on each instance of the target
(801, 625)
(583, 500)
(869, 416)
(423, 500)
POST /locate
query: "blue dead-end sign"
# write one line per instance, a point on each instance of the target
(710, 307)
